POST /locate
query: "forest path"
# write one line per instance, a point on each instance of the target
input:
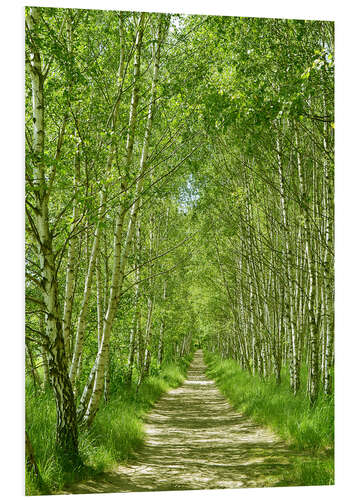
(196, 440)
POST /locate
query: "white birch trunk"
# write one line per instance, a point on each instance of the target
(290, 313)
(82, 318)
(69, 290)
(66, 427)
(120, 257)
(162, 330)
(148, 333)
(81, 324)
(135, 325)
(119, 260)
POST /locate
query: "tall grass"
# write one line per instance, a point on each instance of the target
(291, 417)
(117, 430)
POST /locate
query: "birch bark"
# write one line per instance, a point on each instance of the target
(70, 273)
(121, 254)
(92, 399)
(294, 369)
(81, 324)
(66, 426)
(135, 326)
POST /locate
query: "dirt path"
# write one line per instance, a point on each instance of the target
(196, 440)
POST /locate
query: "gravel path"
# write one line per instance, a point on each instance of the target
(196, 440)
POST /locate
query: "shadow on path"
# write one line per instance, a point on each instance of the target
(196, 440)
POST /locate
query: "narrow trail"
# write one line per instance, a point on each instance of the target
(196, 440)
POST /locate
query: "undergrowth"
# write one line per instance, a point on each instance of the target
(291, 417)
(117, 430)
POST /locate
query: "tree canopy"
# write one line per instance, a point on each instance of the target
(179, 192)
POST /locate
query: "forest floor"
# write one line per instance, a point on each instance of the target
(196, 440)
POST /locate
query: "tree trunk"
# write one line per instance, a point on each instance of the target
(135, 324)
(69, 291)
(30, 457)
(66, 426)
(289, 311)
(121, 255)
(32, 368)
(82, 318)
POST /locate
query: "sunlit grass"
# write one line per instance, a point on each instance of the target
(117, 430)
(305, 428)
(314, 472)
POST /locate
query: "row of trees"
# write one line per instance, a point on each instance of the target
(179, 183)
(268, 183)
(104, 228)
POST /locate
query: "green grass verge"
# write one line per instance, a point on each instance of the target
(117, 430)
(304, 428)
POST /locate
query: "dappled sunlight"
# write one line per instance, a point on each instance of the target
(196, 440)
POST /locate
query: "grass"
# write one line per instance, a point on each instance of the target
(304, 428)
(117, 430)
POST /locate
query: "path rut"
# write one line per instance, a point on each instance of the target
(197, 440)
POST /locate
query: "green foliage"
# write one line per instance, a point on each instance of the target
(269, 404)
(305, 428)
(116, 433)
(236, 99)
(314, 472)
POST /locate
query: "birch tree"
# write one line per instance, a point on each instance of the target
(66, 428)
